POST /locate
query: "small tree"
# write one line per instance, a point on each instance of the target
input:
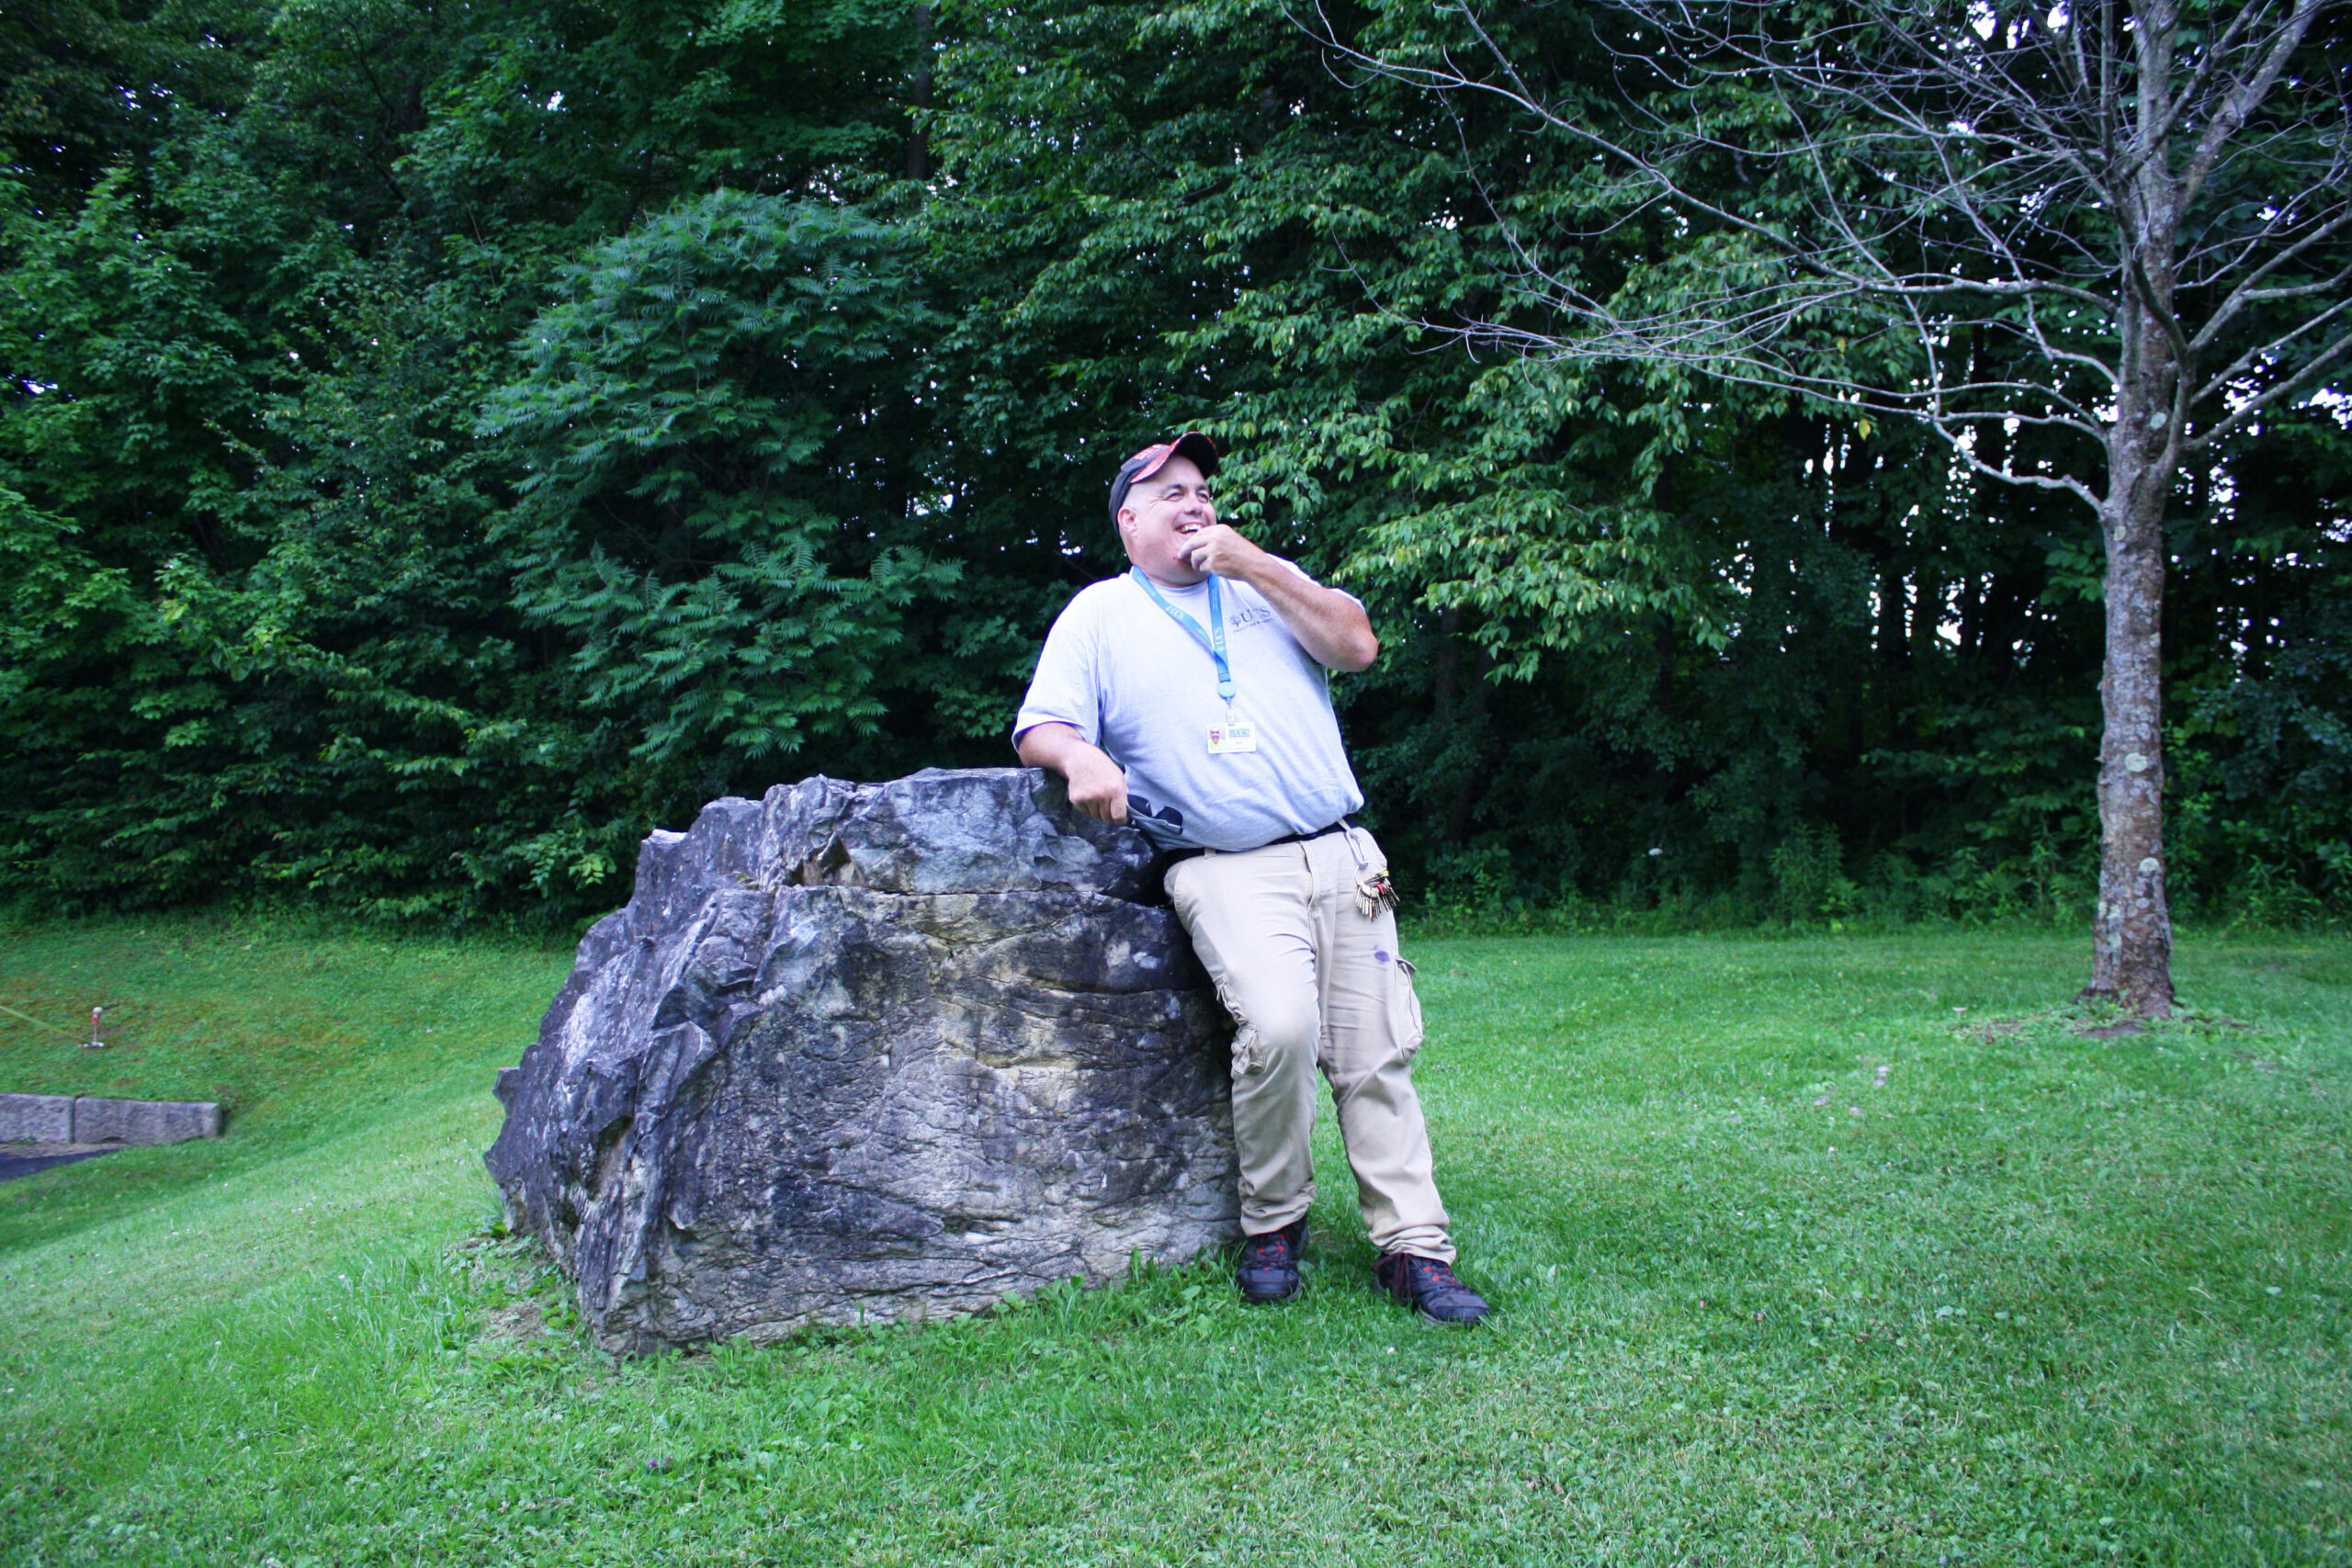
(2123, 231)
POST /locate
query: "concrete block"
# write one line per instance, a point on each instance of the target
(36, 1118)
(144, 1121)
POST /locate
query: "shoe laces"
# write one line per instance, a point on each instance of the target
(1267, 1247)
(1429, 1276)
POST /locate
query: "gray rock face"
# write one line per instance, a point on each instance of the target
(871, 1052)
(144, 1121)
(67, 1120)
(36, 1118)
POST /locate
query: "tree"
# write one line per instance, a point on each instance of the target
(725, 447)
(286, 615)
(2123, 231)
(1167, 216)
(264, 265)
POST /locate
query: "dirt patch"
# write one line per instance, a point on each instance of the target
(524, 1320)
(2098, 1022)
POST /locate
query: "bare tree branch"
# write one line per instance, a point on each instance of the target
(2308, 379)
(2236, 107)
(2092, 204)
(2248, 292)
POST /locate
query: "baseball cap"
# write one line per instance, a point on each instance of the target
(1149, 461)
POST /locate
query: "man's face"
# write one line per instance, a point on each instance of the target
(1159, 516)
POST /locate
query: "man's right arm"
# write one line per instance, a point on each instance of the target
(1098, 785)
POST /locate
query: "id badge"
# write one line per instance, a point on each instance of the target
(1234, 735)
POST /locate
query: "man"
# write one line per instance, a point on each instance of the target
(1189, 695)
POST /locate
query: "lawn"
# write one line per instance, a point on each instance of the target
(1837, 1249)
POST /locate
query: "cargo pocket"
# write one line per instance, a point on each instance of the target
(1248, 1059)
(1404, 1010)
(1248, 1054)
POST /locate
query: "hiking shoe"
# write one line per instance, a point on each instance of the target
(1429, 1288)
(1269, 1267)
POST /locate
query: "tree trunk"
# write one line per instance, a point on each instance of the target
(1459, 711)
(2132, 932)
(919, 143)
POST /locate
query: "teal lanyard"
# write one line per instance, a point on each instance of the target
(1213, 639)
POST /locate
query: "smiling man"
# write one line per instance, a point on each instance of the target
(1189, 695)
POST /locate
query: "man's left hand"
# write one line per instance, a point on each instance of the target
(1329, 625)
(1217, 548)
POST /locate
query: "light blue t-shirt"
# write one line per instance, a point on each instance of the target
(1118, 669)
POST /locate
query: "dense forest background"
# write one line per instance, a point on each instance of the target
(440, 442)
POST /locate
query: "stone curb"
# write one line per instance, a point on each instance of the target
(83, 1119)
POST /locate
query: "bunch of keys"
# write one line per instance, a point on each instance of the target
(1374, 892)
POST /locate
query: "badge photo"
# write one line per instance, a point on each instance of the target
(1233, 735)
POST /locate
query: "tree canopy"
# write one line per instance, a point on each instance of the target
(439, 444)
(2122, 227)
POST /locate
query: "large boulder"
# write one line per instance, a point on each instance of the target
(859, 1053)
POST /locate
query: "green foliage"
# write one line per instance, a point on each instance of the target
(447, 441)
(726, 452)
(84, 83)
(74, 634)
(248, 371)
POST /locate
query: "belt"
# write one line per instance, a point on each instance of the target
(1341, 826)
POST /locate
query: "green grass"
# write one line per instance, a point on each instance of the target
(2046, 1299)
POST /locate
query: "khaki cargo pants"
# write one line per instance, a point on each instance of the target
(1314, 982)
